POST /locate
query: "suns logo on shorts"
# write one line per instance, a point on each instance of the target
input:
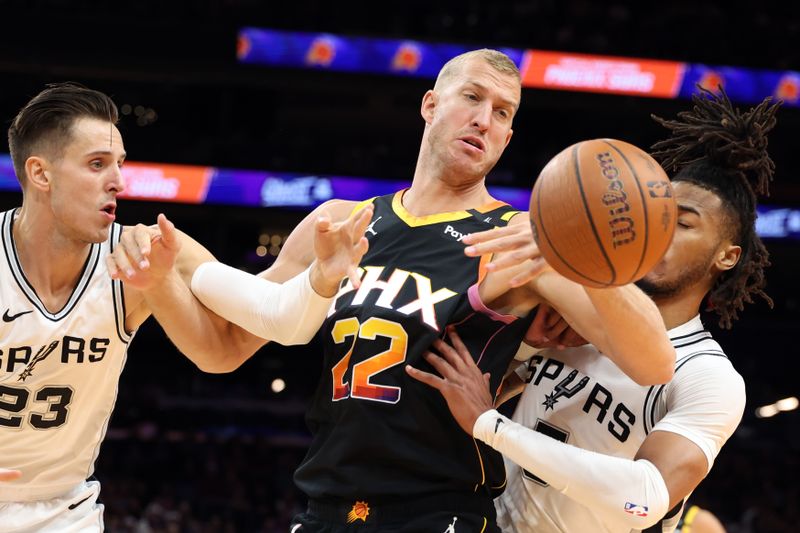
(360, 511)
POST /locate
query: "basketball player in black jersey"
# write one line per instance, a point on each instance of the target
(386, 455)
(719, 155)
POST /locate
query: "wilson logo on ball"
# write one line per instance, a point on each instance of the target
(616, 200)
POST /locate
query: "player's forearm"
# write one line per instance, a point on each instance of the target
(624, 492)
(635, 334)
(622, 322)
(288, 313)
(208, 341)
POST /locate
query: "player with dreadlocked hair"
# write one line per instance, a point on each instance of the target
(723, 150)
(587, 448)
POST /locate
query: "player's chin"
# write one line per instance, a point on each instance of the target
(100, 235)
(653, 285)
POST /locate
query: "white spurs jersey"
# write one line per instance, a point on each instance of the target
(581, 397)
(58, 373)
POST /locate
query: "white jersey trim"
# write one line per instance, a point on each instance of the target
(25, 286)
(118, 293)
(681, 337)
(651, 401)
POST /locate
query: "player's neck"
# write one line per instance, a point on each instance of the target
(428, 196)
(677, 310)
(52, 263)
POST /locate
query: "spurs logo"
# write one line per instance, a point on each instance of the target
(563, 389)
(43, 352)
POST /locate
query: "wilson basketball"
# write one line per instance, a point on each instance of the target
(603, 212)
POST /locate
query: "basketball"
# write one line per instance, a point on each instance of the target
(603, 213)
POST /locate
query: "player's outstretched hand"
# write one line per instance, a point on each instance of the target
(7, 474)
(550, 330)
(145, 254)
(463, 385)
(339, 247)
(514, 244)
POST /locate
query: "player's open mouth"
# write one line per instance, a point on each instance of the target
(473, 141)
(110, 209)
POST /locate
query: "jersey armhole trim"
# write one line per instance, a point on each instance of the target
(507, 216)
(117, 292)
(361, 205)
(650, 410)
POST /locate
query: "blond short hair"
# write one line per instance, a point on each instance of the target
(496, 59)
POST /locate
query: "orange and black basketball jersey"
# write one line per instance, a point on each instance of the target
(379, 434)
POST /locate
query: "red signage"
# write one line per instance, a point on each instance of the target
(166, 183)
(601, 74)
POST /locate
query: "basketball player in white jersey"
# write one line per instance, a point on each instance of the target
(588, 449)
(66, 324)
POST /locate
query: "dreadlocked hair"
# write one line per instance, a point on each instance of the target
(724, 150)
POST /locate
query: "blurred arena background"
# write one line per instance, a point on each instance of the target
(193, 452)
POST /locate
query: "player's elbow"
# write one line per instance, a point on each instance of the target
(221, 362)
(656, 367)
(664, 375)
(295, 337)
(216, 367)
(663, 367)
(654, 375)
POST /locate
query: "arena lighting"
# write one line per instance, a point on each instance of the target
(278, 385)
(786, 404)
(541, 69)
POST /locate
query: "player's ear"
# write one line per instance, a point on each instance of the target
(37, 173)
(429, 101)
(727, 257)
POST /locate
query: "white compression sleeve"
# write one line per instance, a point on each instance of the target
(288, 313)
(622, 491)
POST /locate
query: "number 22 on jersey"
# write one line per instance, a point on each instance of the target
(360, 385)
